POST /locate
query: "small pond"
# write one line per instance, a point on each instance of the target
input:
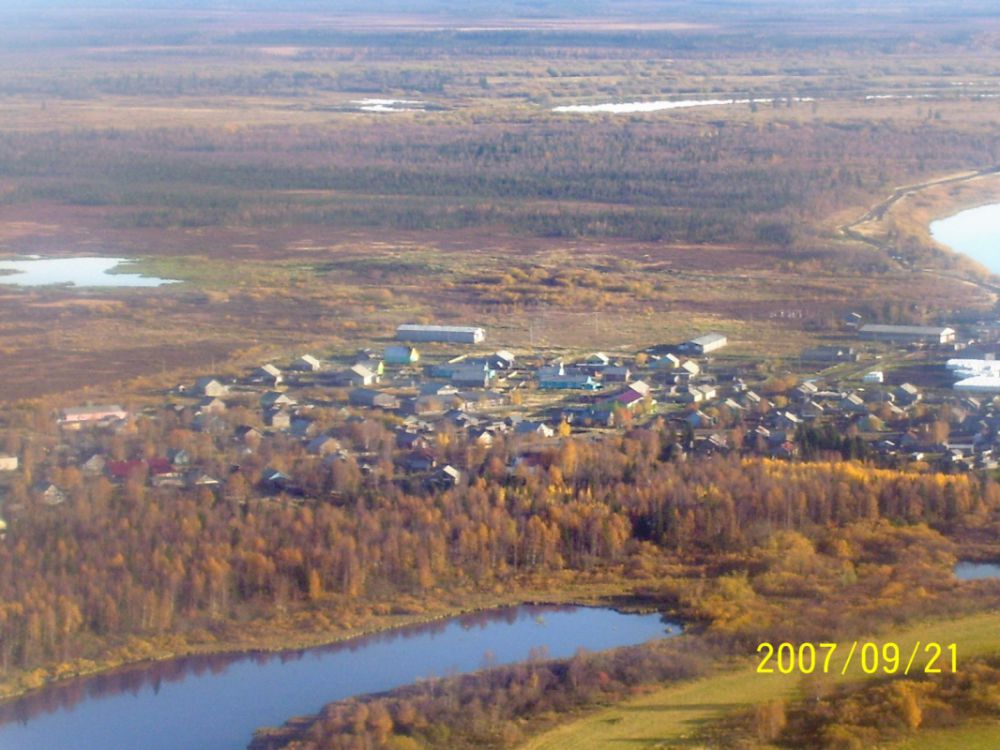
(976, 571)
(82, 272)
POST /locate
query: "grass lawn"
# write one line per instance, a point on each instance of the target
(978, 736)
(669, 717)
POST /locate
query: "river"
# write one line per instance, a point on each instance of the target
(975, 233)
(216, 702)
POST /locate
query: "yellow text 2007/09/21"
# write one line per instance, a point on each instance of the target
(873, 658)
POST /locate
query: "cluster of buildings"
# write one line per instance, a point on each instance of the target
(317, 407)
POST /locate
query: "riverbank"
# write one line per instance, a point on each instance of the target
(900, 224)
(310, 628)
(679, 713)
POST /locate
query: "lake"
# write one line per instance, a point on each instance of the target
(973, 571)
(390, 105)
(975, 232)
(83, 272)
(618, 108)
(216, 702)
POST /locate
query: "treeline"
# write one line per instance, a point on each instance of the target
(271, 82)
(128, 559)
(553, 176)
(485, 710)
(864, 576)
(875, 714)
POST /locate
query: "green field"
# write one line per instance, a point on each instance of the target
(674, 716)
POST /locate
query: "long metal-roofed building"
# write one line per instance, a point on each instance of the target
(705, 344)
(908, 334)
(979, 384)
(445, 334)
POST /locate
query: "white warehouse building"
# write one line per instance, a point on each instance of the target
(705, 344)
(967, 368)
(979, 384)
(446, 334)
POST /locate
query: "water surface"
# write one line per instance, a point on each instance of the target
(216, 702)
(974, 571)
(619, 108)
(390, 105)
(89, 272)
(975, 232)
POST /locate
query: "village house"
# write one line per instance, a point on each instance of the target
(581, 382)
(198, 478)
(359, 376)
(804, 391)
(441, 390)
(907, 394)
(306, 363)
(689, 367)
(266, 375)
(852, 403)
(48, 494)
(406, 440)
(429, 404)
(695, 394)
(483, 399)
(630, 397)
(322, 445)
(472, 376)
(274, 480)
(812, 410)
(370, 360)
(211, 424)
(401, 355)
(705, 344)
(372, 399)
(209, 386)
(596, 362)
(666, 361)
(94, 466)
(210, 405)
(852, 320)
(733, 405)
(502, 360)
(445, 477)
(481, 436)
(616, 374)
(178, 457)
(711, 445)
(247, 435)
(418, 460)
(784, 420)
(700, 420)
(276, 399)
(539, 429)
(8, 462)
(278, 419)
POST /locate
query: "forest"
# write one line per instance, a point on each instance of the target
(127, 560)
(650, 181)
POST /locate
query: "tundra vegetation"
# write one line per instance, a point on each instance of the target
(234, 152)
